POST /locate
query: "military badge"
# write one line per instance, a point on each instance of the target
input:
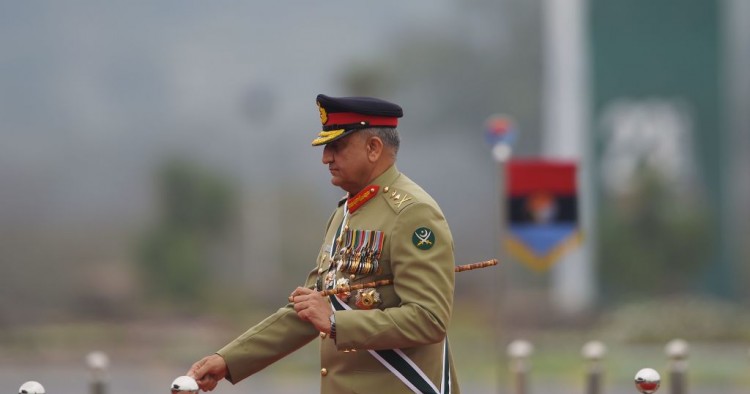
(329, 279)
(423, 238)
(323, 114)
(341, 283)
(396, 196)
(367, 298)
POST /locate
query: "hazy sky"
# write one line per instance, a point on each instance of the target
(91, 93)
(92, 84)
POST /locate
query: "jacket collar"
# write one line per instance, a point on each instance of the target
(366, 194)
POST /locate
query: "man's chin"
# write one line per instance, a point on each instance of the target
(338, 183)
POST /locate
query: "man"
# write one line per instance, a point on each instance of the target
(387, 339)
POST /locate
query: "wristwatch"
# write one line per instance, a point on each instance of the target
(332, 318)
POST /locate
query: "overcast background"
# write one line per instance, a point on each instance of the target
(99, 100)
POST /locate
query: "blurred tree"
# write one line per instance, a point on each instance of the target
(369, 78)
(675, 59)
(197, 208)
(454, 74)
(652, 241)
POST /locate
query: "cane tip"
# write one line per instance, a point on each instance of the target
(184, 384)
(31, 387)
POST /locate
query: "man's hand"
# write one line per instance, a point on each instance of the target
(312, 307)
(208, 371)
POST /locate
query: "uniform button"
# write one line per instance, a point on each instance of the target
(385, 189)
(352, 277)
(323, 372)
(323, 335)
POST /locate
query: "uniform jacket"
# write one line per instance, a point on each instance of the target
(413, 313)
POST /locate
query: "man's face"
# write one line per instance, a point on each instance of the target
(348, 162)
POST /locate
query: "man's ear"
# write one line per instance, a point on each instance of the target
(374, 148)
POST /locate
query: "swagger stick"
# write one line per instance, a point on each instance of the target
(473, 266)
(388, 281)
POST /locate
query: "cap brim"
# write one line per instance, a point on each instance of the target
(325, 137)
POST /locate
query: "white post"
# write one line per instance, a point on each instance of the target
(593, 352)
(98, 363)
(519, 352)
(565, 126)
(677, 352)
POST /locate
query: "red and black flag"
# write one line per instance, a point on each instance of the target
(542, 211)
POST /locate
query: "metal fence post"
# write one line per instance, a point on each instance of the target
(593, 352)
(519, 352)
(98, 363)
(677, 351)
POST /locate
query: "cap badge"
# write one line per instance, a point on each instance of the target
(323, 114)
(423, 238)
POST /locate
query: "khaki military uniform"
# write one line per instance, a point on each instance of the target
(412, 314)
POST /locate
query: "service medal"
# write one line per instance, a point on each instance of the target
(329, 279)
(342, 283)
(367, 298)
(362, 251)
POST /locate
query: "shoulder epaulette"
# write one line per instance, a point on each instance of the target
(397, 199)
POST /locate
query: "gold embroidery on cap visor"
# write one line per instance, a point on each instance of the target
(325, 137)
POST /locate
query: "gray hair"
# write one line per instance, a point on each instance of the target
(389, 136)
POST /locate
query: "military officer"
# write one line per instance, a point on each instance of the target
(388, 339)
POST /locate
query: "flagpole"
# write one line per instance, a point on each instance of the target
(500, 287)
(502, 159)
(500, 133)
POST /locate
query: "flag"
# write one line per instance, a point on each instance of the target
(542, 211)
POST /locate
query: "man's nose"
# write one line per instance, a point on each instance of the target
(327, 155)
